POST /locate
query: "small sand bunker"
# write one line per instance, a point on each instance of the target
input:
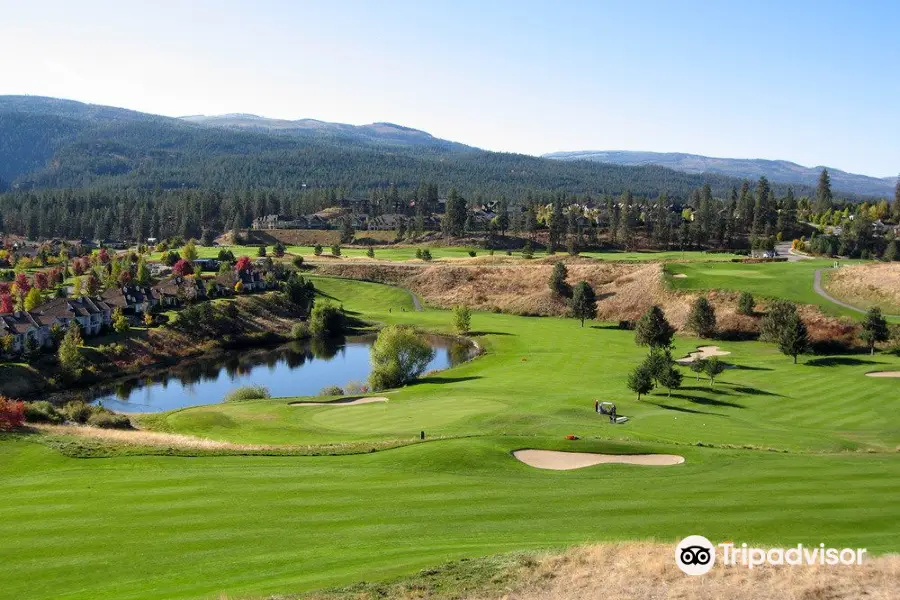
(566, 461)
(345, 402)
(679, 276)
(702, 353)
(884, 374)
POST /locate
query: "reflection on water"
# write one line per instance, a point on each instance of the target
(295, 369)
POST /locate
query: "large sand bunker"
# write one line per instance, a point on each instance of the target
(345, 402)
(884, 374)
(566, 461)
(702, 352)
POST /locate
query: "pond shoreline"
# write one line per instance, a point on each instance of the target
(295, 368)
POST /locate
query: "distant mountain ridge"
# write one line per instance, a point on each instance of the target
(385, 133)
(55, 143)
(780, 171)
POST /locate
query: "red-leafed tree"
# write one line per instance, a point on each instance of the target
(6, 303)
(12, 414)
(243, 263)
(23, 286)
(124, 277)
(103, 256)
(90, 285)
(41, 281)
(183, 267)
(78, 267)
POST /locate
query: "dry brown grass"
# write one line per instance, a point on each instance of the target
(645, 571)
(135, 437)
(876, 284)
(624, 291)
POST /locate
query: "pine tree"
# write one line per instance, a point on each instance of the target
(69, 353)
(761, 206)
(824, 197)
(653, 330)
(793, 339)
(347, 231)
(896, 208)
(874, 329)
(557, 281)
(584, 302)
(702, 319)
(640, 380)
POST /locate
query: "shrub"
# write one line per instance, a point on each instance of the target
(331, 390)
(248, 392)
(300, 331)
(746, 304)
(108, 420)
(317, 250)
(298, 262)
(335, 249)
(426, 255)
(12, 414)
(528, 250)
(472, 253)
(399, 356)
(356, 387)
(370, 252)
(78, 411)
(42, 412)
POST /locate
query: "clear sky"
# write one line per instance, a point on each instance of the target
(815, 82)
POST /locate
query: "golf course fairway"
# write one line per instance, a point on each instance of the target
(774, 454)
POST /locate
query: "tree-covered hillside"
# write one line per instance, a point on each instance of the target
(49, 143)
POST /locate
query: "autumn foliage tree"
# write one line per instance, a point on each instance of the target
(182, 268)
(243, 264)
(12, 414)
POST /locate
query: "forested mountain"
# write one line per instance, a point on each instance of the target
(51, 143)
(381, 134)
(778, 171)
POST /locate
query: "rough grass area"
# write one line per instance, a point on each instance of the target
(92, 442)
(637, 571)
(864, 286)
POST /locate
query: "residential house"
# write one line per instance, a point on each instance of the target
(131, 298)
(388, 222)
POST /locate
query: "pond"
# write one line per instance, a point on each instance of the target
(295, 369)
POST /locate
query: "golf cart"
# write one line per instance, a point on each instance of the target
(608, 408)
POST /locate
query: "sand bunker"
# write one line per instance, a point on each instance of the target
(679, 276)
(702, 353)
(346, 402)
(884, 374)
(565, 461)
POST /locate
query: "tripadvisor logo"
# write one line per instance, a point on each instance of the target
(696, 555)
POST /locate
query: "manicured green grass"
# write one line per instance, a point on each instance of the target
(196, 527)
(789, 280)
(528, 382)
(669, 255)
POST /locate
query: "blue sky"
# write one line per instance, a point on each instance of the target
(813, 82)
